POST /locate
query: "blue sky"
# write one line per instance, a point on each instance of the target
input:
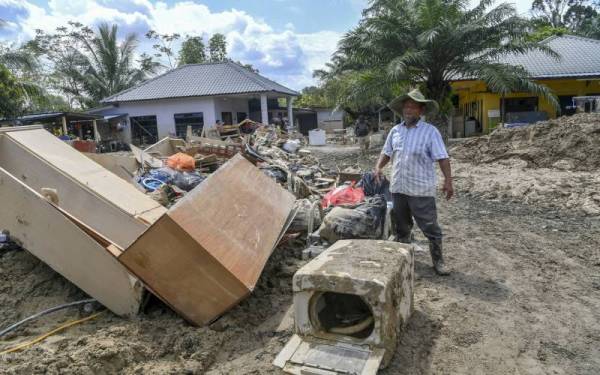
(285, 39)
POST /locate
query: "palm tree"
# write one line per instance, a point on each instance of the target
(400, 43)
(109, 66)
(23, 64)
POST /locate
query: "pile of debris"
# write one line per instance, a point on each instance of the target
(566, 143)
(551, 164)
(191, 221)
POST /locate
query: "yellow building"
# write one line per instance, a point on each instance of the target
(576, 73)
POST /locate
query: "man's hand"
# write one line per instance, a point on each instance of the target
(378, 174)
(448, 189)
(378, 171)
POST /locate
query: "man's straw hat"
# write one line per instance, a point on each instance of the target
(431, 106)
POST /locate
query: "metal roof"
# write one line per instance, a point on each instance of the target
(52, 115)
(208, 79)
(112, 117)
(579, 58)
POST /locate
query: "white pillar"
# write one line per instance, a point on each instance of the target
(96, 132)
(64, 125)
(290, 116)
(264, 117)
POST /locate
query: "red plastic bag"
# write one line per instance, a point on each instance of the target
(347, 194)
(181, 162)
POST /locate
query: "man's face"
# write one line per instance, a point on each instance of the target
(412, 111)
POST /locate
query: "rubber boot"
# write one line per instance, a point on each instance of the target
(406, 239)
(435, 248)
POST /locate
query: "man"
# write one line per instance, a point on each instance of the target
(415, 146)
(362, 132)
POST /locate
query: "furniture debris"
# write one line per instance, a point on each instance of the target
(350, 305)
(60, 242)
(207, 252)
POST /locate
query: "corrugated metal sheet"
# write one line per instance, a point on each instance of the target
(578, 57)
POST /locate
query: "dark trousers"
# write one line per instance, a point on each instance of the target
(423, 210)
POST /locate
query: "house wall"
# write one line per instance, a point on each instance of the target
(328, 115)
(164, 110)
(330, 120)
(476, 92)
(233, 105)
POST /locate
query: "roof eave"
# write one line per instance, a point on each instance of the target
(104, 101)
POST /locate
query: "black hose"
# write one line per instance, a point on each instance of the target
(42, 313)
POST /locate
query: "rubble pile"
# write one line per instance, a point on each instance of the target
(551, 164)
(565, 143)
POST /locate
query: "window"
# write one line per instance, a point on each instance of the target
(241, 116)
(227, 118)
(144, 130)
(566, 105)
(183, 120)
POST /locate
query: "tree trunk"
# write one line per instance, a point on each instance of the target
(439, 91)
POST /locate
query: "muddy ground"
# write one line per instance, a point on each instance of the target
(524, 298)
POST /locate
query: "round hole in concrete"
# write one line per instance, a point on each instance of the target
(341, 314)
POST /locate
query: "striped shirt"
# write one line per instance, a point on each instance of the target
(414, 151)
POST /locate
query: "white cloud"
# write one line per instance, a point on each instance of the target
(283, 55)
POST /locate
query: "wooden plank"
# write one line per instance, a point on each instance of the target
(110, 208)
(53, 238)
(182, 273)
(88, 173)
(148, 159)
(164, 148)
(20, 128)
(209, 250)
(121, 164)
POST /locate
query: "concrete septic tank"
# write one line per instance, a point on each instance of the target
(350, 305)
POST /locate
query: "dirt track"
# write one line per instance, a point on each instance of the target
(524, 298)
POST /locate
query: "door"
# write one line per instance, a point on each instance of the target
(308, 355)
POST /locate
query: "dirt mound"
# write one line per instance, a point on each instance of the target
(568, 143)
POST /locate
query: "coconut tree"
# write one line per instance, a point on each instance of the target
(109, 65)
(89, 65)
(400, 43)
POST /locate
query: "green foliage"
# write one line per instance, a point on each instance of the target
(217, 47)
(24, 65)
(313, 96)
(12, 95)
(87, 66)
(542, 32)
(405, 43)
(163, 46)
(554, 17)
(192, 51)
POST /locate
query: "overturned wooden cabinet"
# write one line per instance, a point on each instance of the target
(208, 251)
(91, 215)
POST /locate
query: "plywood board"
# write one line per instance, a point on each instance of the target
(56, 240)
(209, 250)
(148, 160)
(165, 147)
(97, 197)
(122, 164)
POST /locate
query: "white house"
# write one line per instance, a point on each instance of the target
(195, 95)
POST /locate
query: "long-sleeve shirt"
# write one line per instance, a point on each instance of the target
(414, 151)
